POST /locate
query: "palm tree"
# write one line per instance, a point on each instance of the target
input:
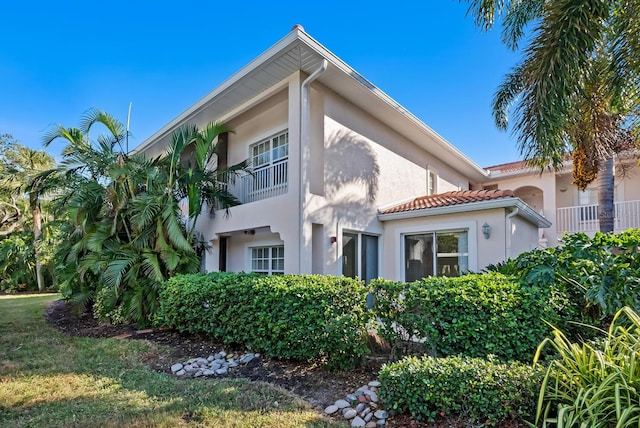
(130, 234)
(23, 165)
(576, 88)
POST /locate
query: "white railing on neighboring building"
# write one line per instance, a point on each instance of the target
(262, 183)
(584, 218)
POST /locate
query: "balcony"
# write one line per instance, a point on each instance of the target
(584, 218)
(262, 183)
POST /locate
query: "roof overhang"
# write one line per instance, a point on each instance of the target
(523, 210)
(298, 51)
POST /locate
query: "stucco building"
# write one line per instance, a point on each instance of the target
(345, 180)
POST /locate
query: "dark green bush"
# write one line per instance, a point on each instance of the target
(300, 317)
(473, 315)
(600, 274)
(482, 390)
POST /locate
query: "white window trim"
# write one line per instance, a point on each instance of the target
(270, 270)
(432, 170)
(472, 242)
(269, 139)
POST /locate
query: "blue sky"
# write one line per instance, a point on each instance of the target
(57, 59)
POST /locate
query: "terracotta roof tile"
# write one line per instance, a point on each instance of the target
(449, 198)
(509, 167)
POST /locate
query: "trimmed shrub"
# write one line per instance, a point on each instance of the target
(482, 390)
(473, 315)
(300, 317)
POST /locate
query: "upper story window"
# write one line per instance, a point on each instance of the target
(271, 151)
(432, 181)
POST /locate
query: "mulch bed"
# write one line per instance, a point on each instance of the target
(309, 381)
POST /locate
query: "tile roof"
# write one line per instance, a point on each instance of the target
(509, 167)
(457, 197)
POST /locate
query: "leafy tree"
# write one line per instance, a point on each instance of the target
(21, 166)
(576, 89)
(128, 231)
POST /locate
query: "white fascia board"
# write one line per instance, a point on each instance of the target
(524, 211)
(346, 69)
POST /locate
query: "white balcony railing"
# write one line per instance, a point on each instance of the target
(262, 183)
(584, 218)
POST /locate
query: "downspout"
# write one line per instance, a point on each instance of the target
(305, 139)
(512, 214)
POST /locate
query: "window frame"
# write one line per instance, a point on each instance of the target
(269, 255)
(432, 181)
(270, 150)
(436, 254)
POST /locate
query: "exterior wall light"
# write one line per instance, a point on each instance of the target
(486, 230)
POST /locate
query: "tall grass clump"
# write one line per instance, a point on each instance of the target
(593, 384)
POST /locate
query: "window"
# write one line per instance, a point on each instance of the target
(588, 201)
(269, 162)
(436, 254)
(268, 260)
(360, 256)
(432, 181)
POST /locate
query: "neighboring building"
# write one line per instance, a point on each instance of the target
(345, 180)
(553, 195)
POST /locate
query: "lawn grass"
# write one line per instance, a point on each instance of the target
(48, 379)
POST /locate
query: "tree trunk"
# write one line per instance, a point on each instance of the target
(37, 234)
(606, 208)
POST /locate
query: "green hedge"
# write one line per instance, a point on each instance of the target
(474, 315)
(317, 318)
(600, 274)
(482, 390)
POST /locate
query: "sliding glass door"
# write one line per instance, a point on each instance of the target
(360, 256)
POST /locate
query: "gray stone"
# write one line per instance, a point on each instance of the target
(330, 410)
(360, 407)
(215, 366)
(351, 397)
(198, 373)
(208, 372)
(381, 422)
(374, 383)
(222, 370)
(181, 373)
(370, 424)
(373, 388)
(176, 367)
(190, 369)
(363, 388)
(222, 354)
(341, 404)
(368, 416)
(357, 422)
(256, 355)
(211, 358)
(219, 361)
(366, 412)
(381, 414)
(358, 393)
(202, 361)
(349, 414)
(372, 395)
(232, 364)
(247, 359)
